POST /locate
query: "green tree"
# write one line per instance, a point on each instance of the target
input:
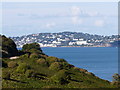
(31, 47)
(8, 47)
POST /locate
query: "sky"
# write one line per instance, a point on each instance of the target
(23, 18)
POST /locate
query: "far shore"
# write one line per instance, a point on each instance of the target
(76, 46)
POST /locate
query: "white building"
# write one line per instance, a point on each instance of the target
(81, 42)
(72, 43)
(41, 45)
(55, 42)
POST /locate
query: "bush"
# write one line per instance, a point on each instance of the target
(29, 73)
(12, 64)
(61, 77)
(8, 47)
(55, 66)
(80, 69)
(35, 51)
(51, 59)
(4, 64)
(62, 60)
(6, 75)
(42, 62)
(44, 56)
(25, 56)
(28, 47)
(35, 55)
(22, 68)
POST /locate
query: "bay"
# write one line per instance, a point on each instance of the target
(102, 61)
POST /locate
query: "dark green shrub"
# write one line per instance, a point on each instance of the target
(81, 70)
(55, 66)
(8, 47)
(28, 47)
(25, 56)
(12, 64)
(6, 75)
(44, 56)
(35, 55)
(42, 62)
(4, 64)
(62, 77)
(62, 60)
(22, 68)
(65, 65)
(51, 59)
(34, 51)
(29, 73)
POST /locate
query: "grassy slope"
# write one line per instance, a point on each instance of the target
(60, 75)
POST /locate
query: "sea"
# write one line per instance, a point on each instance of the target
(102, 61)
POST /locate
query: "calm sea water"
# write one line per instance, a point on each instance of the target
(102, 61)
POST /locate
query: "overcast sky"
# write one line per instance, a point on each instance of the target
(37, 17)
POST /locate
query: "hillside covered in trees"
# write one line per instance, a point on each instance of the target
(31, 68)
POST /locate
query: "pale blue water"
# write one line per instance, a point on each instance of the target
(102, 61)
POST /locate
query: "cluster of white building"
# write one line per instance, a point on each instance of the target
(56, 43)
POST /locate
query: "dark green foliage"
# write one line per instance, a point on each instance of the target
(12, 64)
(62, 60)
(29, 73)
(35, 55)
(8, 47)
(51, 59)
(25, 55)
(42, 62)
(6, 75)
(21, 52)
(55, 66)
(35, 51)
(31, 47)
(4, 64)
(22, 68)
(39, 76)
(66, 65)
(62, 77)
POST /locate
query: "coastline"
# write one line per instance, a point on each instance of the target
(82, 46)
(75, 46)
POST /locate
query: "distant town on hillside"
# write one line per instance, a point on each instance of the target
(68, 39)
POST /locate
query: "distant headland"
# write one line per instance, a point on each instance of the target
(68, 39)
